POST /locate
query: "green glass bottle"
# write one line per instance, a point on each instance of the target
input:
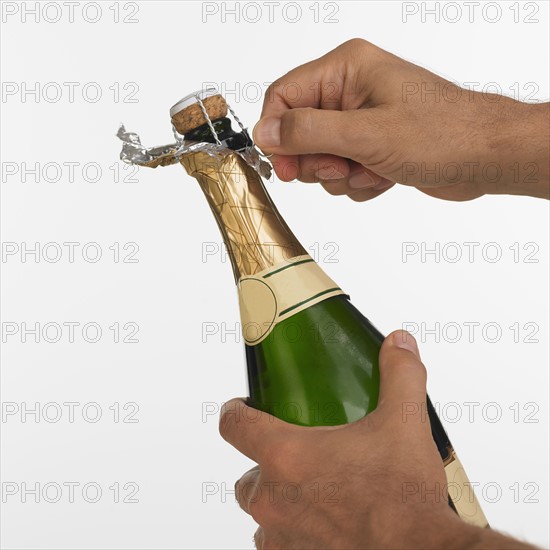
(318, 367)
(312, 357)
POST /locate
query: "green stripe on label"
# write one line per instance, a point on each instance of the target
(287, 266)
(309, 299)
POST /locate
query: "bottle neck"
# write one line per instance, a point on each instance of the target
(228, 137)
(255, 234)
(275, 277)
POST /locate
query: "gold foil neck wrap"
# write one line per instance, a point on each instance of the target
(255, 234)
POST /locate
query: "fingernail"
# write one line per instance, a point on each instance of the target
(404, 340)
(267, 132)
(361, 181)
(382, 185)
(329, 173)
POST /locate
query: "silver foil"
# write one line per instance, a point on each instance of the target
(133, 152)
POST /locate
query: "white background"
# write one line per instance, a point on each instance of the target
(174, 453)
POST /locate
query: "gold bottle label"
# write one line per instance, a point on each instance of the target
(462, 493)
(274, 294)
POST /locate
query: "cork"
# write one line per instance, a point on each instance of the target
(191, 117)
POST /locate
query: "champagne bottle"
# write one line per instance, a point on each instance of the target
(312, 357)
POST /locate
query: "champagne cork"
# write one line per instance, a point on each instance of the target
(187, 114)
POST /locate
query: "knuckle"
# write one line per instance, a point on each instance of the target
(282, 457)
(228, 424)
(271, 89)
(265, 540)
(271, 543)
(271, 94)
(296, 125)
(250, 500)
(260, 508)
(259, 538)
(422, 369)
(355, 43)
(224, 425)
(273, 460)
(411, 363)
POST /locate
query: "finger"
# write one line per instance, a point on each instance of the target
(306, 130)
(360, 183)
(305, 86)
(336, 188)
(339, 176)
(341, 187)
(259, 538)
(340, 79)
(309, 168)
(316, 168)
(286, 167)
(360, 178)
(363, 195)
(402, 375)
(249, 430)
(247, 489)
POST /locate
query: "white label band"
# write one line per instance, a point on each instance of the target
(462, 494)
(273, 295)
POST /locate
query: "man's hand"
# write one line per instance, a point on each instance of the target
(346, 487)
(360, 119)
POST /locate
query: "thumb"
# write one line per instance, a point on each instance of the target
(402, 376)
(303, 131)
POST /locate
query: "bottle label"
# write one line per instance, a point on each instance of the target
(462, 493)
(273, 295)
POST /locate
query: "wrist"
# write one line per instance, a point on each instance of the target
(428, 527)
(518, 156)
(445, 529)
(454, 532)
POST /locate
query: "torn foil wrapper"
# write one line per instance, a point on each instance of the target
(133, 152)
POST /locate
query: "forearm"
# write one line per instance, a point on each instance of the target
(520, 145)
